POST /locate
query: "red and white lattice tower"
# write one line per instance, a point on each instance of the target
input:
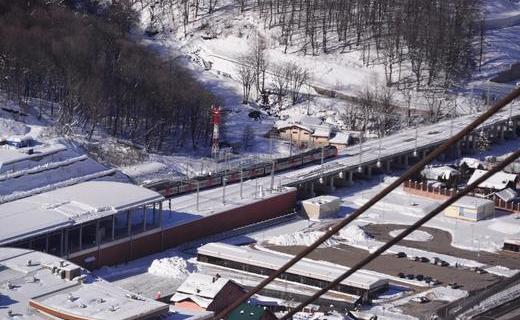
(215, 120)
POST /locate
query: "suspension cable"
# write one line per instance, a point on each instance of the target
(407, 175)
(406, 232)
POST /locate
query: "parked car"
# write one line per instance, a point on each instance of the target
(427, 279)
(425, 260)
(443, 263)
(410, 276)
(419, 277)
(454, 285)
(435, 282)
(401, 275)
(420, 299)
(400, 255)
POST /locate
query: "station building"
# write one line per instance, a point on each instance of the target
(80, 219)
(314, 273)
(99, 223)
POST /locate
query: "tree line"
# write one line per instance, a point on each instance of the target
(98, 76)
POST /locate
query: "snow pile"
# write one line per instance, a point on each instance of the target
(300, 238)
(417, 235)
(502, 271)
(352, 233)
(173, 267)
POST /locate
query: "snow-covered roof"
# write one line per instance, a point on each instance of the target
(200, 288)
(322, 199)
(436, 173)
(472, 202)
(322, 131)
(68, 206)
(471, 163)
(507, 194)
(498, 181)
(340, 138)
(305, 267)
(31, 286)
(310, 124)
(513, 241)
(9, 156)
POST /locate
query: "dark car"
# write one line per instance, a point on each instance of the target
(419, 277)
(427, 279)
(425, 260)
(400, 255)
(454, 285)
(410, 276)
(443, 263)
(401, 275)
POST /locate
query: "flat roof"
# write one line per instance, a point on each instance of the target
(71, 205)
(29, 287)
(322, 199)
(472, 202)
(305, 267)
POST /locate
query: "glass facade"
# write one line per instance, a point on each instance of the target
(93, 233)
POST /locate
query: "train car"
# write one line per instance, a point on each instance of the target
(170, 188)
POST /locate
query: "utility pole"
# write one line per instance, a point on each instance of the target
(241, 180)
(224, 188)
(272, 176)
(198, 194)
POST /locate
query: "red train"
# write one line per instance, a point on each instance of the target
(169, 188)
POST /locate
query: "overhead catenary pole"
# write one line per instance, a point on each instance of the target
(407, 175)
(198, 194)
(272, 176)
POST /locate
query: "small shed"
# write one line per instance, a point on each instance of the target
(471, 209)
(321, 207)
(202, 292)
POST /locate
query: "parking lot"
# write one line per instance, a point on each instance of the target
(441, 243)
(391, 265)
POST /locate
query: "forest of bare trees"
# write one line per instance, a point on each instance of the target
(419, 42)
(98, 76)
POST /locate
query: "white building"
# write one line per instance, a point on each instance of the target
(39, 286)
(321, 207)
(471, 209)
